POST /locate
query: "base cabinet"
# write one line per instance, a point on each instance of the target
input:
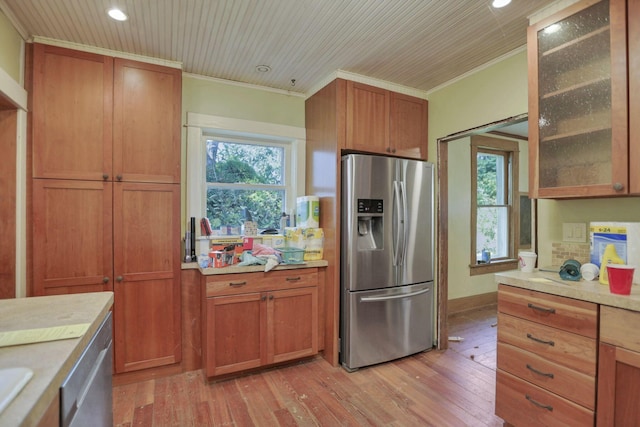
(618, 368)
(546, 359)
(258, 319)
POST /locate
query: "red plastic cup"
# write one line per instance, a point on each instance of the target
(620, 278)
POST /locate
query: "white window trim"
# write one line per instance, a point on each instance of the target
(199, 125)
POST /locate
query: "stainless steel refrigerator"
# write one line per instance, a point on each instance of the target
(387, 258)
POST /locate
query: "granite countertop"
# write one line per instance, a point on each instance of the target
(233, 269)
(50, 361)
(551, 283)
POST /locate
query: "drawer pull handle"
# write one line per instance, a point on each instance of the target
(538, 404)
(237, 283)
(534, 370)
(545, 310)
(531, 337)
(293, 279)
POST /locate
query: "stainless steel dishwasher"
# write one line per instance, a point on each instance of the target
(86, 397)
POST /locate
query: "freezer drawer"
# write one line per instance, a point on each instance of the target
(386, 324)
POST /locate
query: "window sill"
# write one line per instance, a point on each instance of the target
(493, 267)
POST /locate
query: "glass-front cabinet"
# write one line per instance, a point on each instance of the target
(579, 145)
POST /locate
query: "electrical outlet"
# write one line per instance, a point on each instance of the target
(574, 232)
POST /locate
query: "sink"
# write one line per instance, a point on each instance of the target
(12, 380)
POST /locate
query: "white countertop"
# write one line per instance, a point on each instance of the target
(551, 283)
(50, 361)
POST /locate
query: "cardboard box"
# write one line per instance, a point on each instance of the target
(624, 236)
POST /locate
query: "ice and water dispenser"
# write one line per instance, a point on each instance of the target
(370, 224)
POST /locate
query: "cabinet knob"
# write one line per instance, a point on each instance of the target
(270, 297)
(618, 186)
(388, 150)
(119, 177)
(105, 176)
(105, 280)
(393, 150)
(119, 279)
(263, 298)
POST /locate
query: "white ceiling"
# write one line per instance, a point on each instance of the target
(419, 44)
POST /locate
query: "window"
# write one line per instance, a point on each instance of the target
(245, 176)
(235, 165)
(494, 202)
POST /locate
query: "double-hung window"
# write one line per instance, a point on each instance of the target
(246, 177)
(494, 207)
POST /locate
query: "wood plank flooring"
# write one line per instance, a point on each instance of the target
(434, 388)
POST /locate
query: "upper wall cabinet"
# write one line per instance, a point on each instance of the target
(385, 122)
(579, 144)
(104, 119)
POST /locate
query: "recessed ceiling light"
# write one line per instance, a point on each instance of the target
(500, 3)
(263, 68)
(117, 14)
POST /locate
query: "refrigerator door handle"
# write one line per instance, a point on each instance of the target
(413, 294)
(403, 222)
(398, 231)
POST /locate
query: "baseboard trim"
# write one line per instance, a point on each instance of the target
(459, 305)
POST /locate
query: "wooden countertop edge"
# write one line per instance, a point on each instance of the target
(26, 409)
(252, 268)
(591, 291)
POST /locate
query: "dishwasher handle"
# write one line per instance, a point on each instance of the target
(392, 297)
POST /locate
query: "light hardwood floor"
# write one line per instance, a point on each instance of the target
(455, 387)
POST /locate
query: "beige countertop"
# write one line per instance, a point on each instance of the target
(232, 269)
(551, 283)
(50, 361)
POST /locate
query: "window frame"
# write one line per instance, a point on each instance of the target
(287, 185)
(495, 145)
(199, 125)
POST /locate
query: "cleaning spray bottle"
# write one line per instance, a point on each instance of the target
(610, 256)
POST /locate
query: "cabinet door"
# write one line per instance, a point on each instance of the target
(408, 135)
(72, 114)
(618, 386)
(146, 128)
(293, 324)
(146, 230)
(367, 118)
(633, 9)
(72, 243)
(236, 328)
(578, 102)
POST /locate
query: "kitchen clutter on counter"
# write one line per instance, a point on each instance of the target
(271, 247)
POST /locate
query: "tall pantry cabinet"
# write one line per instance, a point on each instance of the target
(105, 150)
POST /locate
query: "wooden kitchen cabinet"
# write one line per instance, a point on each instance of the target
(618, 368)
(257, 319)
(578, 127)
(385, 122)
(146, 237)
(105, 145)
(73, 242)
(99, 118)
(546, 359)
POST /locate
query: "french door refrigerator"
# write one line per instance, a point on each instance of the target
(387, 258)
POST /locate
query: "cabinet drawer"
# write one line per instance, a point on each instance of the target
(524, 404)
(567, 349)
(568, 314)
(566, 382)
(615, 327)
(231, 284)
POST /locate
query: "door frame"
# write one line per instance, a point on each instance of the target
(442, 231)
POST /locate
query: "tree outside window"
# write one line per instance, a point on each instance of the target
(245, 177)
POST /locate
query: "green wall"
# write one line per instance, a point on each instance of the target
(491, 94)
(10, 49)
(207, 96)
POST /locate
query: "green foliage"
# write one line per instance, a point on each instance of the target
(251, 167)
